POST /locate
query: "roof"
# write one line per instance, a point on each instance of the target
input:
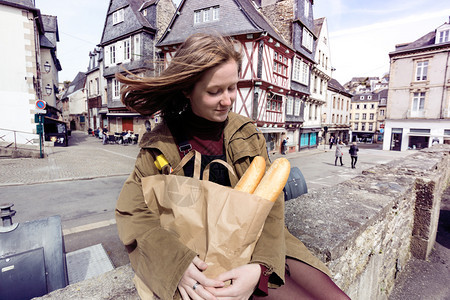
(77, 84)
(318, 23)
(51, 35)
(426, 41)
(21, 3)
(246, 20)
(133, 19)
(335, 85)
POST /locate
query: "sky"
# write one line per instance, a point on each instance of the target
(361, 33)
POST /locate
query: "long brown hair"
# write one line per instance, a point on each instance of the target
(199, 53)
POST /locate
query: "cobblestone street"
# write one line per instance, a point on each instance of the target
(85, 157)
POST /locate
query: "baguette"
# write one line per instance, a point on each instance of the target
(274, 180)
(252, 176)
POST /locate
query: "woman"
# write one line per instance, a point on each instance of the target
(353, 154)
(195, 95)
(338, 153)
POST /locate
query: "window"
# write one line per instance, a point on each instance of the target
(421, 70)
(112, 54)
(290, 106)
(350, 116)
(357, 116)
(297, 107)
(307, 39)
(115, 89)
(126, 50)
(443, 36)
(332, 118)
(306, 8)
(118, 16)
(363, 126)
(206, 15)
(357, 106)
(371, 116)
(321, 86)
(197, 16)
(418, 102)
(355, 126)
(365, 106)
(137, 47)
(369, 97)
(274, 102)
(300, 72)
(381, 112)
(372, 106)
(364, 116)
(215, 13)
(370, 126)
(361, 97)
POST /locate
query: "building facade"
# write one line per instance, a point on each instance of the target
(363, 115)
(274, 83)
(336, 113)
(97, 100)
(418, 106)
(128, 41)
(30, 72)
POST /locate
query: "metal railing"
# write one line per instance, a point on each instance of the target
(18, 139)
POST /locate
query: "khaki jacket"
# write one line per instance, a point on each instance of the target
(156, 255)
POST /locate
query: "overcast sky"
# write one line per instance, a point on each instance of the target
(361, 33)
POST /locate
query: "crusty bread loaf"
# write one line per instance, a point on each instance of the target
(252, 176)
(274, 180)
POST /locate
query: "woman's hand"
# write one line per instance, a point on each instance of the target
(194, 284)
(243, 282)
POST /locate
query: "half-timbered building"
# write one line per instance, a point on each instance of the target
(131, 30)
(274, 81)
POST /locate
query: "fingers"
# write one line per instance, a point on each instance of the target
(200, 264)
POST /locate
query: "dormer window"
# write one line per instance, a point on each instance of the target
(209, 14)
(118, 16)
(444, 36)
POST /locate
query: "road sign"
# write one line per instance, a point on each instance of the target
(41, 104)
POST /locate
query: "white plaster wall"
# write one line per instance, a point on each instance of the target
(15, 100)
(436, 127)
(77, 103)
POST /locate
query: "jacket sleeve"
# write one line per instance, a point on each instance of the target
(156, 255)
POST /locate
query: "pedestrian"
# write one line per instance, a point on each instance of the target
(331, 141)
(284, 145)
(148, 127)
(338, 153)
(353, 154)
(105, 135)
(195, 94)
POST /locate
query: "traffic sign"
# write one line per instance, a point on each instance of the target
(41, 104)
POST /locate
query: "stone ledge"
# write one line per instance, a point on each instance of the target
(362, 229)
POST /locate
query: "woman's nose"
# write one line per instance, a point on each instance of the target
(226, 99)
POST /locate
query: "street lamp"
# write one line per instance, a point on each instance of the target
(48, 89)
(47, 67)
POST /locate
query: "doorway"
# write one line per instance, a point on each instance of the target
(127, 124)
(396, 139)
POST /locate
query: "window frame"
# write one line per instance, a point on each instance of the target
(421, 73)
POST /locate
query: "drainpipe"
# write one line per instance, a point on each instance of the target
(443, 87)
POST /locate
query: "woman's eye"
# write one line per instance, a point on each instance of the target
(213, 93)
(232, 88)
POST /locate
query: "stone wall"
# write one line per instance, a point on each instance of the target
(364, 229)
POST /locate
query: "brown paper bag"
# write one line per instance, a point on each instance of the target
(219, 223)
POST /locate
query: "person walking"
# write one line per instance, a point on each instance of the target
(284, 146)
(353, 154)
(338, 153)
(105, 135)
(331, 141)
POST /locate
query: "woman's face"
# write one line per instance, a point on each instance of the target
(214, 95)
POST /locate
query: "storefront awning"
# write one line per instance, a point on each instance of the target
(271, 129)
(123, 115)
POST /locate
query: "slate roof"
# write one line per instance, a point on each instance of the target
(247, 20)
(129, 24)
(335, 85)
(20, 3)
(77, 84)
(318, 23)
(51, 35)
